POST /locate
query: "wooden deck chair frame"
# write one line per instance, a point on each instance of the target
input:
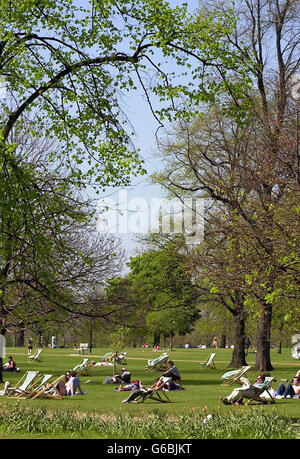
(258, 398)
(13, 391)
(234, 375)
(209, 362)
(41, 381)
(160, 363)
(43, 392)
(36, 356)
(157, 393)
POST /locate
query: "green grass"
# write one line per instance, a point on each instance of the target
(201, 396)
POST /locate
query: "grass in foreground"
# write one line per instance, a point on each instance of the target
(253, 424)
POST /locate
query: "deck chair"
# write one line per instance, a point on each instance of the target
(156, 394)
(44, 392)
(23, 384)
(257, 397)
(108, 358)
(36, 356)
(82, 366)
(39, 384)
(160, 363)
(209, 362)
(232, 376)
(121, 359)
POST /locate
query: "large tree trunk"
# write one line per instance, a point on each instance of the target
(19, 340)
(238, 355)
(156, 338)
(263, 358)
(279, 349)
(223, 341)
(171, 342)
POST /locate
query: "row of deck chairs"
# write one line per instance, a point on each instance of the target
(33, 385)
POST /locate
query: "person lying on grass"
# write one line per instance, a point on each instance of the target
(142, 391)
(292, 390)
(129, 387)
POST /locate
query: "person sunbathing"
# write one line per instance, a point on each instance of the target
(143, 391)
(129, 387)
(292, 390)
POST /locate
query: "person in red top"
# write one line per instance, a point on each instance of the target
(10, 365)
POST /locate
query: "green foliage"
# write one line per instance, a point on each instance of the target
(162, 283)
(69, 64)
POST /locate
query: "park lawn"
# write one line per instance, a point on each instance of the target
(202, 386)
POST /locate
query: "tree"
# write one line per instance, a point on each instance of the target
(238, 157)
(162, 283)
(68, 66)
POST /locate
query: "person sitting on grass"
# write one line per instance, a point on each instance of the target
(73, 384)
(292, 390)
(173, 386)
(10, 365)
(248, 390)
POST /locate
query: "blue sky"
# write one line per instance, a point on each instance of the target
(145, 127)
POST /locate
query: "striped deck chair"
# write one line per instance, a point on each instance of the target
(82, 366)
(266, 387)
(108, 358)
(209, 362)
(160, 363)
(232, 376)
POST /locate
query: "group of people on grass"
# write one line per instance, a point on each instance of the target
(139, 390)
(248, 390)
(70, 386)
